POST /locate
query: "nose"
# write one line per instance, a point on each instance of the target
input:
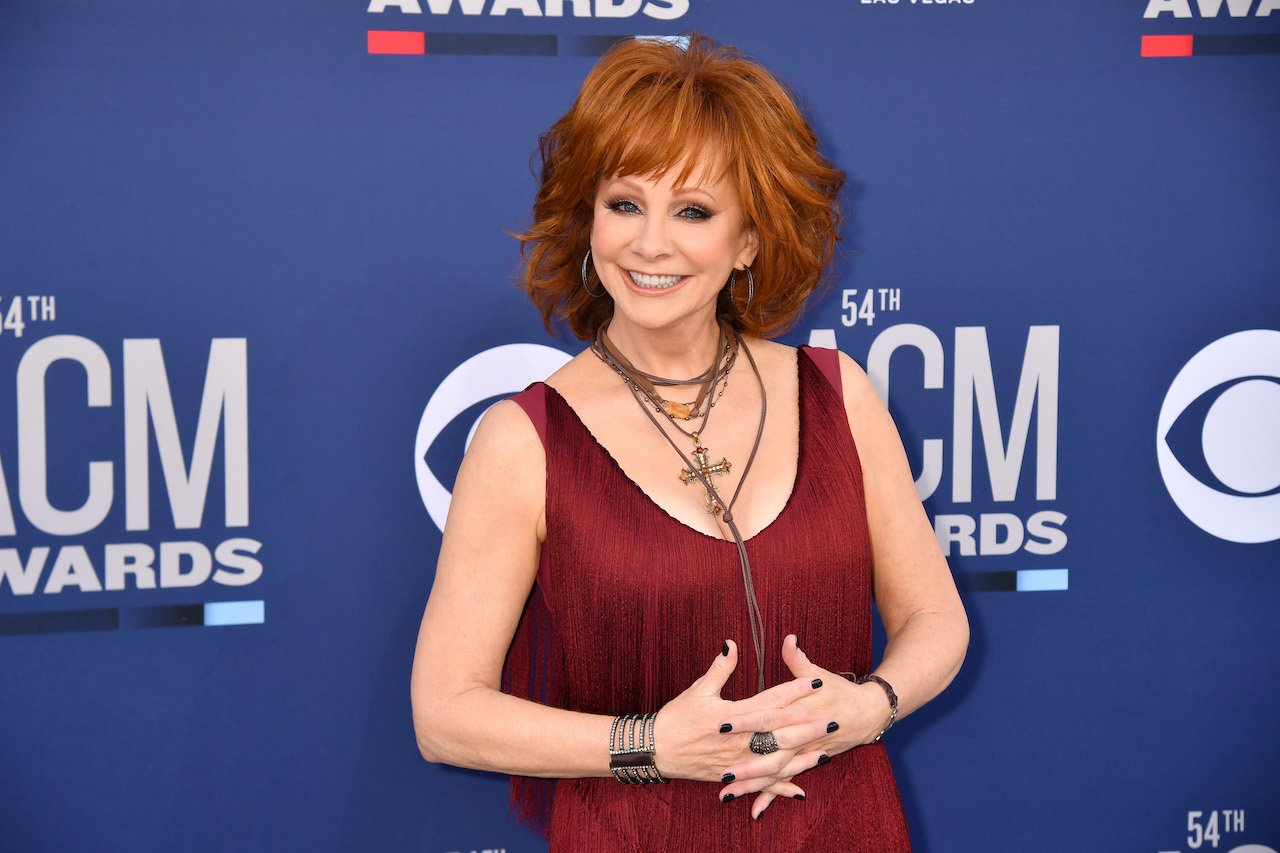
(653, 240)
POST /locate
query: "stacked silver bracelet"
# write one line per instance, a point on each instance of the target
(631, 750)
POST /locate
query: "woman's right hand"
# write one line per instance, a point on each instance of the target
(689, 743)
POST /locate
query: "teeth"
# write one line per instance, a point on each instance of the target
(655, 281)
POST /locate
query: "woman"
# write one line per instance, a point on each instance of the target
(669, 544)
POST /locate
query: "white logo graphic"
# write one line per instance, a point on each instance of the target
(663, 10)
(495, 372)
(1210, 8)
(1238, 377)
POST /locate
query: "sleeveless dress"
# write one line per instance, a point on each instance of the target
(630, 606)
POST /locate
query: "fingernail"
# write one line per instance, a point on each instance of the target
(727, 778)
(832, 726)
(724, 649)
(756, 816)
(797, 797)
(725, 728)
(824, 758)
(726, 798)
(816, 683)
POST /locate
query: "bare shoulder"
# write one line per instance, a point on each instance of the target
(505, 433)
(860, 397)
(505, 458)
(869, 420)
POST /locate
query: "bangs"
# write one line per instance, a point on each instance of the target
(699, 113)
(673, 125)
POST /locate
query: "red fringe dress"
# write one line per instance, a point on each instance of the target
(631, 606)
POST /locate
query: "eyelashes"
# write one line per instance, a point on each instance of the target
(622, 205)
(691, 212)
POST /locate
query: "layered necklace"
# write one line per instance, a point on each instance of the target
(711, 384)
(644, 388)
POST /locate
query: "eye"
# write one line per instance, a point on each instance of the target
(694, 212)
(623, 205)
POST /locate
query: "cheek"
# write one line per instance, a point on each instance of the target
(715, 246)
(608, 232)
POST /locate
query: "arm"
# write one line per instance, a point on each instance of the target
(925, 624)
(915, 594)
(488, 561)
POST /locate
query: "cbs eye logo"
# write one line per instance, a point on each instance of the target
(495, 372)
(1218, 437)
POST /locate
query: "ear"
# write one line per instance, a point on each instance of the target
(750, 248)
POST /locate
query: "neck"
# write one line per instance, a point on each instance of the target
(677, 352)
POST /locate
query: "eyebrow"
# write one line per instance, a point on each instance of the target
(677, 191)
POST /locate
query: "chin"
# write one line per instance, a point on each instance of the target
(656, 318)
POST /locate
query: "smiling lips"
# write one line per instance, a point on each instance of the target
(654, 282)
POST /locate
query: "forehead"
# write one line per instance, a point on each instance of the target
(709, 173)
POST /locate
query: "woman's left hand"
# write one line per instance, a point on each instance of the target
(809, 731)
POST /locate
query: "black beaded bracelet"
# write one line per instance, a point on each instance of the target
(629, 762)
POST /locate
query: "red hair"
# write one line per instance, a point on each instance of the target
(649, 106)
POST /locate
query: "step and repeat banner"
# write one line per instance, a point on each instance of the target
(256, 288)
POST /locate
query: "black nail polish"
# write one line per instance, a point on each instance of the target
(756, 816)
(832, 726)
(724, 650)
(824, 758)
(727, 778)
(798, 797)
(726, 798)
(817, 682)
(725, 728)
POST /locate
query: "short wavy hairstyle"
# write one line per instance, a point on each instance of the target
(649, 106)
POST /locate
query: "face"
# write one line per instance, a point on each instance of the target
(663, 251)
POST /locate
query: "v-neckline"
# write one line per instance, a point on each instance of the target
(800, 460)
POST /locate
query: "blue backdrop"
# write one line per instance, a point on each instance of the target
(256, 287)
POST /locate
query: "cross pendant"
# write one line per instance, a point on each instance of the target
(708, 470)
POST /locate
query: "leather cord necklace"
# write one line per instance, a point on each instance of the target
(718, 375)
(648, 382)
(703, 476)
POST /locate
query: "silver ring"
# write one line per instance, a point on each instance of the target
(763, 743)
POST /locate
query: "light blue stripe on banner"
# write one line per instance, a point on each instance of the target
(1041, 580)
(235, 613)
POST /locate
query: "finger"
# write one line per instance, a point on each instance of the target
(758, 772)
(761, 803)
(797, 661)
(772, 719)
(786, 788)
(783, 788)
(803, 735)
(778, 696)
(715, 678)
(763, 773)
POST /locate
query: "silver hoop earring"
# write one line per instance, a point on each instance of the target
(751, 288)
(586, 260)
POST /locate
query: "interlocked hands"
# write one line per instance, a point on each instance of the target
(815, 716)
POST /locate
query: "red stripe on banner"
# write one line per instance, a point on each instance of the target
(1167, 45)
(397, 41)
